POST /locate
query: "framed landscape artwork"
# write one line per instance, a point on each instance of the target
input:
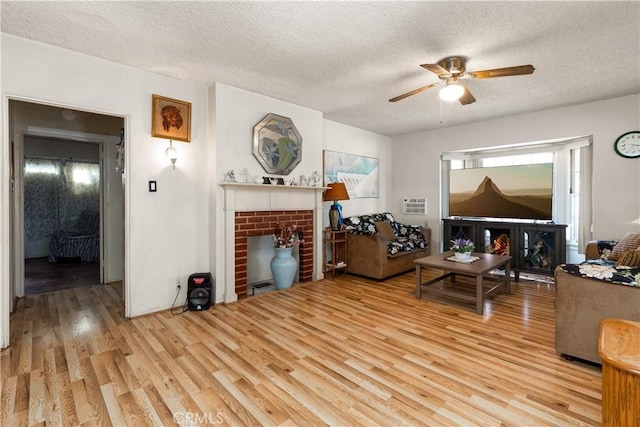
(170, 118)
(358, 173)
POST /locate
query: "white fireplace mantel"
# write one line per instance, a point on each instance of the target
(244, 197)
(252, 197)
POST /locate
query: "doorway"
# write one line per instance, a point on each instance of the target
(68, 199)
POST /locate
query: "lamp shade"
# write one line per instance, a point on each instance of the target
(336, 191)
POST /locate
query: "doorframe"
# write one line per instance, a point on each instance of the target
(7, 186)
(18, 196)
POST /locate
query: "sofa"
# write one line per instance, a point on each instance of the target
(379, 247)
(587, 293)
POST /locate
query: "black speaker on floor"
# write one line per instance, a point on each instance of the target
(200, 291)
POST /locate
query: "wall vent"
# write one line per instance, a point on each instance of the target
(414, 206)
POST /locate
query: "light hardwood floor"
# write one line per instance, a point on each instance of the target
(345, 353)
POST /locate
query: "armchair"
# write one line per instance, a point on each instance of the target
(82, 242)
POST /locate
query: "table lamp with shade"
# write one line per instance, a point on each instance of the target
(337, 191)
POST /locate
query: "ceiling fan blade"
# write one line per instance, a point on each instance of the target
(466, 97)
(501, 72)
(437, 69)
(413, 92)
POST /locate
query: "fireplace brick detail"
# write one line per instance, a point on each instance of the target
(262, 223)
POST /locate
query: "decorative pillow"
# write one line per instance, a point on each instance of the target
(365, 224)
(605, 247)
(408, 231)
(384, 228)
(631, 258)
(628, 241)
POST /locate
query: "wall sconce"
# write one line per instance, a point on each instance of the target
(172, 154)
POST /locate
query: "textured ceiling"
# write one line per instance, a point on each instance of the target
(346, 59)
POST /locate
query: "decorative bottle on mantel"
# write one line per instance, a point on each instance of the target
(284, 267)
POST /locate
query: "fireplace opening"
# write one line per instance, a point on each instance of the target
(262, 223)
(259, 255)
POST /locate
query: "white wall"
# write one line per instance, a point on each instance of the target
(168, 231)
(416, 157)
(238, 111)
(347, 139)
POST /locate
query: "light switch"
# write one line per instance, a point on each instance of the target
(152, 187)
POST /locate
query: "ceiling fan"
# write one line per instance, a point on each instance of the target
(453, 69)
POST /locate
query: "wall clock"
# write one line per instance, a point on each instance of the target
(628, 144)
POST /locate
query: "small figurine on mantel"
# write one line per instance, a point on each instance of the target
(303, 181)
(230, 176)
(315, 179)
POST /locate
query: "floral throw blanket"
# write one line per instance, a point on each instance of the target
(605, 270)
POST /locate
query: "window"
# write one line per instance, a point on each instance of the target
(571, 160)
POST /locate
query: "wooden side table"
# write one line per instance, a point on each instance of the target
(334, 250)
(619, 348)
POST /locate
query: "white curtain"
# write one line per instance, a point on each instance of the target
(56, 192)
(42, 190)
(585, 209)
(82, 191)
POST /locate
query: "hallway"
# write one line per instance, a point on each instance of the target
(42, 276)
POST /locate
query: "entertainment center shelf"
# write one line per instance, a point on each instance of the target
(536, 247)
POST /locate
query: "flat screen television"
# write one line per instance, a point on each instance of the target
(519, 192)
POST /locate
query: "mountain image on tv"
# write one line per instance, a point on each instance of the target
(523, 192)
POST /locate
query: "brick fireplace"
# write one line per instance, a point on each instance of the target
(253, 210)
(262, 223)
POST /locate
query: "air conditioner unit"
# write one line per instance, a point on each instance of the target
(414, 206)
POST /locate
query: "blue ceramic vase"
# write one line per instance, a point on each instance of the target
(283, 267)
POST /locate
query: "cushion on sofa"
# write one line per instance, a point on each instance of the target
(366, 224)
(408, 231)
(630, 258)
(604, 248)
(384, 228)
(628, 241)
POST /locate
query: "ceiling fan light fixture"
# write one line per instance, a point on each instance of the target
(451, 92)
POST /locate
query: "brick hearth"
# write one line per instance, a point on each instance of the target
(261, 223)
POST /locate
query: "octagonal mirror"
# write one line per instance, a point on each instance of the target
(277, 144)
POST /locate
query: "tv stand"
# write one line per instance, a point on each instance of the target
(535, 246)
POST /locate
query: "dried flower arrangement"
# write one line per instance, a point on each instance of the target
(286, 236)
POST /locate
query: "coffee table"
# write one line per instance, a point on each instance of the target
(477, 269)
